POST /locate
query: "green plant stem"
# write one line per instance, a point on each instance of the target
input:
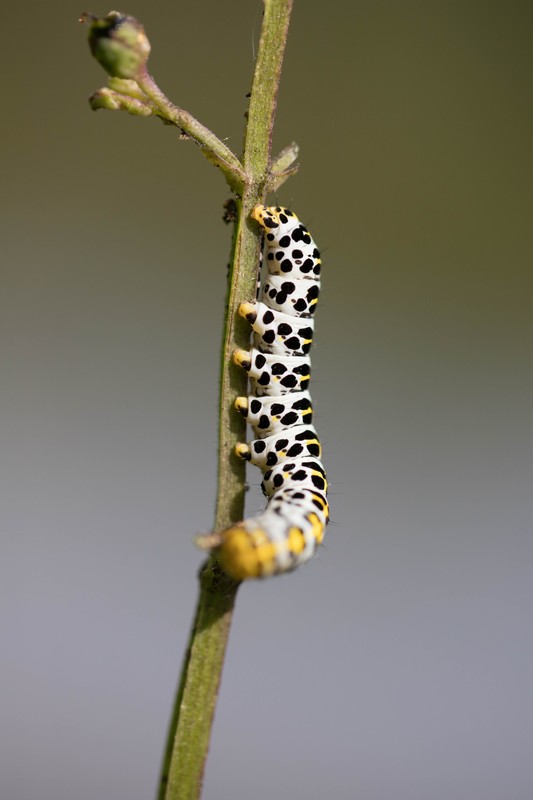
(264, 94)
(190, 728)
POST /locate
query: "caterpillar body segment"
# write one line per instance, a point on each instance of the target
(279, 409)
(309, 500)
(297, 442)
(269, 415)
(278, 333)
(298, 473)
(291, 250)
(274, 375)
(295, 297)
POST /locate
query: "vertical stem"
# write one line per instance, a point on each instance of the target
(190, 727)
(264, 94)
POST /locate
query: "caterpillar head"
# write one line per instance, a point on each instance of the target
(271, 217)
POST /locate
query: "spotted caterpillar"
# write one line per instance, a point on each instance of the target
(279, 409)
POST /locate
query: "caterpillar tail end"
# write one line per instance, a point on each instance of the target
(243, 554)
(247, 554)
(238, 553)
(233, 552)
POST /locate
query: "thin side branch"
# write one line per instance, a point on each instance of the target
(212, 147)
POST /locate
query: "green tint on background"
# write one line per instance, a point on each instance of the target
(398, 663)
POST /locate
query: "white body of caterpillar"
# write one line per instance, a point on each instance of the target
(279, 409)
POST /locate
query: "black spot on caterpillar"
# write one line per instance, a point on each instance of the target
(279, 409)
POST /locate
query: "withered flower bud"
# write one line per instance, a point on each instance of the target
(118, 43)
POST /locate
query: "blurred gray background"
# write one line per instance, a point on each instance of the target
(398, 664)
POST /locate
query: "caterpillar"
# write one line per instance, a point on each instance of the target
(279, 408)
